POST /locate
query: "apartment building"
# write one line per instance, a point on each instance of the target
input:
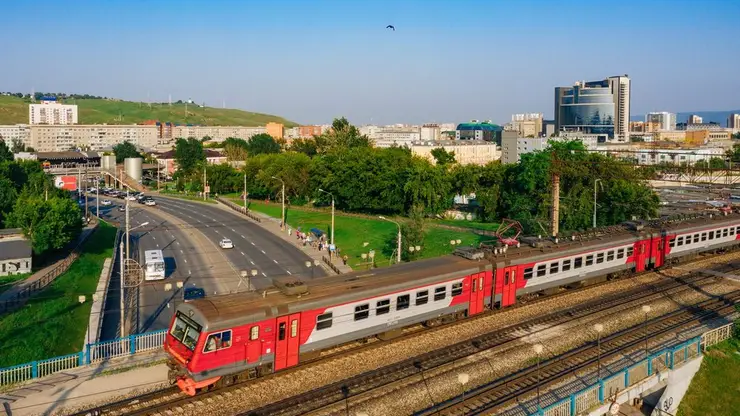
(527, 125)
(513, 146)
(307, 132)
(700, 137)
(275, 130)
(387, 136)
(662, 120)
(430, 132)
(694, 119)
(690, 156)
(166, 160)
(94, 136)
(50, 112)
(11, 133)
(733, 121)
(600, 107)
(478, 152)
(217, 133)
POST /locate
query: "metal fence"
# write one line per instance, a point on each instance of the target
(238, 208)
(596, 394)
(92, 354)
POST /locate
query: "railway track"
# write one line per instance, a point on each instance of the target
(486, 399)
(159, 402)
(334, 394)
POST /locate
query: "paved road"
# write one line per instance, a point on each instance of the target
(184, 261)
(254, 247)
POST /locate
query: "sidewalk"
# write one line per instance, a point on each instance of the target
(85, 387)
(273, 225)
(21, 285)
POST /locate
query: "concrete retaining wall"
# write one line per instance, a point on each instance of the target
(98, 306)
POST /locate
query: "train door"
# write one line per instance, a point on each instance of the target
(477, 293)
(288, 343)
(658, 251)
(508, 294)
(642, 253)
(254, 345)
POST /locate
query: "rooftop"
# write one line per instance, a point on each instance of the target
(479, 126)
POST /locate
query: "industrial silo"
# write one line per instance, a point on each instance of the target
(132, 166)
(108, 162)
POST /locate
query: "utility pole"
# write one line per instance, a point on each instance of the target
(87, 207)
(245, 192)
(97, 198)
(128, 242)
(123, 303)
(205, 182)
(159, 174)
(282, 218)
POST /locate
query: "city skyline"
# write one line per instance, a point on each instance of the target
(313, 61)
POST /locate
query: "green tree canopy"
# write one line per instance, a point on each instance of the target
(189, 156)
(235, 149)
(261, 144)
(5, 153)
(443, 157)
(8, 195)
(48, 224)
(124, 151)
(18, 146)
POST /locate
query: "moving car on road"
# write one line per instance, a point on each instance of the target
(106, 202)
(226, 243)
(149, 202)
(192, 293)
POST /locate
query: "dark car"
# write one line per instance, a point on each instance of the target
(193, 293)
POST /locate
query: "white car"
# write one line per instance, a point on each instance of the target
(131, 198)
(226, 243)
(150, 202)
(106, 202)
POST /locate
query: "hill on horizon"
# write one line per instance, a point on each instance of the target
(14, 110)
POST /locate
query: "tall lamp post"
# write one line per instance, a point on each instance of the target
(595, 190)
(245, 192)
(282, 218)
(599, 328)
(332, 213)
(646, 309)
(398, 248)
(123, 272)
(463, 379)
(538, 348)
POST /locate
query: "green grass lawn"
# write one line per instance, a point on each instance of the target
(352, 233)
(477, 225)
(6, 282)
(715, 389)
(54, 323)
(14, 110)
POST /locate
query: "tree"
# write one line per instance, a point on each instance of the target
(48, 224)
(305, 146)
(342, 135)
(412, 234)
(189, 155)
(443, 157)
(124, 151)
(18, 146)
(5, 153)
(223, 178)
(235, 149)
(262, 143)
(717, 163)
(8, 195)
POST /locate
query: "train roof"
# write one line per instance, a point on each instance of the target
(227, 311)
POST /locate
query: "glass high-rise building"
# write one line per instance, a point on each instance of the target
(595, 107)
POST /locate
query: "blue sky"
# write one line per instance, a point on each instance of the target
(311, 61)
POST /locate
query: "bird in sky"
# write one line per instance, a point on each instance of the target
(391, 27)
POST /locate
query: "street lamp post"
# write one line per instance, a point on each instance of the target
(595, 182)
(599, 328)
(538, 348)
(123, 271)
(245, 192)
(332, 214)
(646, 309)
(398, 242)
(463, 379)
(282, 218)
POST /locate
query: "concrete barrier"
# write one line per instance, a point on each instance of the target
(95, 323)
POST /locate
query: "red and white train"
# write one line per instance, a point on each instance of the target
(219, 340)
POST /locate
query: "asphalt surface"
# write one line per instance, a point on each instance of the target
(254, 247)
(193, 257)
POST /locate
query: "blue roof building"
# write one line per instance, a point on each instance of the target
(475, 130)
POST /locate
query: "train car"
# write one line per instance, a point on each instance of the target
(219, 340)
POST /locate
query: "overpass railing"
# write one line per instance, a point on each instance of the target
(94, 353)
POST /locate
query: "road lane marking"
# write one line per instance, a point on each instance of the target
(251, 262)
(251, 242)
(289, 272)
(275, 261)
(182, 252)
(242, 253)
(263, 251)
(233, 230)
(263, 274)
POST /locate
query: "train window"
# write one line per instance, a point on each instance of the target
(679, 241)
(577, 262)
(457, 289)
(703, 236)
(324, 321)
(711, 235)
(554, 267)
(218, 341)
(630, 251)
(528, 273)
(672, 243)
(281, 331)
(382, 307)
(599, 258)
(440, 293)
(732, 230)
(254, 333)
(362, 311)
(589, 260)
(566, 265)
(696, 238)
(403, 302)
(725, 232)
(422, 297)
(620, 253)
(610, 255)
(293, 328)
(541, 270)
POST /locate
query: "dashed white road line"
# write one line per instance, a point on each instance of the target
(251, 262)
(263, 274)
(242, 253)
(181, 252)
(275, 261)
(263, 251)
(186, 260)
(252, 242)
(289, 272)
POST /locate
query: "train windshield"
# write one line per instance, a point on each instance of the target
(185, 330)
